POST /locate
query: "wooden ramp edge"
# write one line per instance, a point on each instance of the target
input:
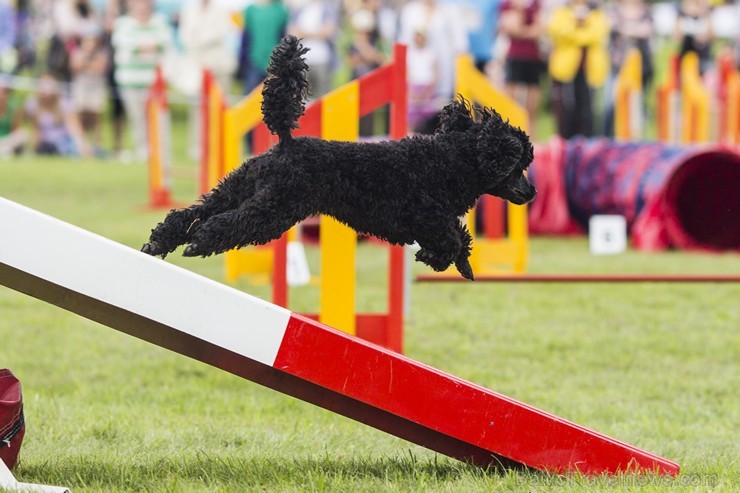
(176, 309)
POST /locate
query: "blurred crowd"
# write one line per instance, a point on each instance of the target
(93, 59)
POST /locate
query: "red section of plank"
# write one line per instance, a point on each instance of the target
(565, 278)
(453, 407)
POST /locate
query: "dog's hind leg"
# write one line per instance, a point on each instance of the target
(255, 222)
(462, 262)
(440, 245)
(447, 244)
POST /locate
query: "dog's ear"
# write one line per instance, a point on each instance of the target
(456, 116)
(500, 147)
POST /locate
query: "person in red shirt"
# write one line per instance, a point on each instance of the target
(521, 22)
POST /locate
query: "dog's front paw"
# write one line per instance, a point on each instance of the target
(196, 250)
(155, 249)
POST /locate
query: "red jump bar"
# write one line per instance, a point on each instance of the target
(200, 318)
(584, 278)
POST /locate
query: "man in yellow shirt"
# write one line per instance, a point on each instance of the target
(578, 63)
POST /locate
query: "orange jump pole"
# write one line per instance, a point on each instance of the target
(158, 126)
(628, 123)
(694, 102)
(669, 104)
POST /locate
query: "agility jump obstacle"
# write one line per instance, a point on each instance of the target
(628, 120)
(495, 251)
(683, 103)
(335, 117)
(729, 101)
(158, 143)
(176, 309)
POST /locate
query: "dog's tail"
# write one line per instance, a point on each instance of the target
(286, 88)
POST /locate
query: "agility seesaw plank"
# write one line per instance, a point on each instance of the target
(197, 317)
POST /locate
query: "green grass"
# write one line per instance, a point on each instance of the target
(653, 365)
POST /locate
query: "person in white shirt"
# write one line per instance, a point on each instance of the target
(141, 40)
(204, 32)
(445, 34)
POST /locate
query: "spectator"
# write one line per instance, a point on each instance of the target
(422, 73)
(204, 31)
(694, 31)
(631, 28)
(317, 22)
(55, 127)
(521, 22)
(12, 136)
(444, 33)
(365, 52)
(481, 19)
(24, 40)
(8, 54)
(89, 63)
(578, 64)
(140, 39)
(265, 22)
(71, 19)
(113, 10)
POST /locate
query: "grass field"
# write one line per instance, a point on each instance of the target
(656, 366)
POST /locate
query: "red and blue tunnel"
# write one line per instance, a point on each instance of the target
(672, 196)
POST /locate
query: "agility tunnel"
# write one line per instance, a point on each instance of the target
(683, 197)
(171, 307)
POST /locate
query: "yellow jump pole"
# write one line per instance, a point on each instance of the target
(627, 98)
(694, 100)
(215, 134)
(500, 255)
(237, 121)
(339, 121)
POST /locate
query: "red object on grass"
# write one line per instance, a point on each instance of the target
(671, 196)
(12, 424)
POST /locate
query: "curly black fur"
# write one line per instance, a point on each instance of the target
(414, 189)
(285, 91)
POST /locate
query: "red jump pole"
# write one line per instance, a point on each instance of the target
(157, 142)
(205, 125)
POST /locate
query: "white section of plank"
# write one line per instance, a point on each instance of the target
(8, 482)
(126, 278)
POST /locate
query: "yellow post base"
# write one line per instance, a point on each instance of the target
(253, 262)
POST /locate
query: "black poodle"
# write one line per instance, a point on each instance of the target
(411, 190)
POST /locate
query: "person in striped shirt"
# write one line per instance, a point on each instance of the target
(140, 39)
